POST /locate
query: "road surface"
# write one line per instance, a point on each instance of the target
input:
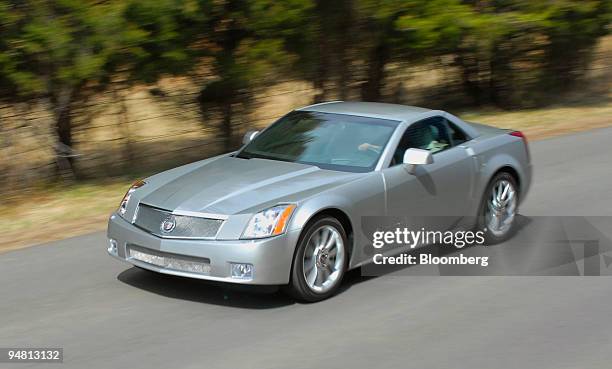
(105, 314)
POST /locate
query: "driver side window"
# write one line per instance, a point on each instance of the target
(429, 134)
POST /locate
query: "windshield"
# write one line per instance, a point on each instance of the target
(329, 141)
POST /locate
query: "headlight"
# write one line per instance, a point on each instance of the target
(269, 222)
(128, 194)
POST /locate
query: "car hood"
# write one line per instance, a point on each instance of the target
(230, 185)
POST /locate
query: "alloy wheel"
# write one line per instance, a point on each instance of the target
(501, 208)
(323, 259)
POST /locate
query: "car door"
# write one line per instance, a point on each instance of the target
(437, 195)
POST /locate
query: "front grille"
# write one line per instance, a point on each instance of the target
(169, 261)
(150, 219)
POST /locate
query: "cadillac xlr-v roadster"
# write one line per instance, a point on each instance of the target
(286, 208)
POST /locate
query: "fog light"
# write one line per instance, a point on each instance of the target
(112, 246)
(242, 271)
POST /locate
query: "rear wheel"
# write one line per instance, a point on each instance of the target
(320, 260)
(499, 208)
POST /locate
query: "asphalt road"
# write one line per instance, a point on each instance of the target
(105, 314)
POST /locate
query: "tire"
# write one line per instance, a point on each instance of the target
(507, 209)
(328, 266)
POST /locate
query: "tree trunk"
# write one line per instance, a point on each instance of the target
(62, 105)
(371, 89)
(323, 62)
(346, 32)
(65, 160)
(322, 71)
(124, 127)
(469, 79)
(63, 126)
(226, 127)
(345, 75)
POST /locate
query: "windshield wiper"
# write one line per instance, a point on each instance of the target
(242, 156)
(253, 155)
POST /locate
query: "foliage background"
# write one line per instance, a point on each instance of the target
(99, 89)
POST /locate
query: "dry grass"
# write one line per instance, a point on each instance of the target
(548, 122)
(53, 213)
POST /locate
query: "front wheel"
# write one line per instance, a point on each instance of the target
(320, 261)
(499, 208)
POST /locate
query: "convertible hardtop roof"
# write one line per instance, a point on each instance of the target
(368, 109)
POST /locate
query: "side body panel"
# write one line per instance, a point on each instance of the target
(358, 198)
(434, 190)
(496, 152)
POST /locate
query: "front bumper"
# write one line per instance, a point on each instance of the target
(271, 257)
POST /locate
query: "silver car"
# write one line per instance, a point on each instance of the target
(286, 209)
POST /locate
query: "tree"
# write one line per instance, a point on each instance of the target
(58, 51)
(497, 53)
(158, 38)
(319, 37)
(244, 45)
(572, 29)
(407, 32)
(65, 52)
(515, 53)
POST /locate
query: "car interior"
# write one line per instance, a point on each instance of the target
(434, 134)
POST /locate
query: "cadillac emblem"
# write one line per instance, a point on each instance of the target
(168, 224)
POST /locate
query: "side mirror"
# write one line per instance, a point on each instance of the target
(249, 136)
(414, 157)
